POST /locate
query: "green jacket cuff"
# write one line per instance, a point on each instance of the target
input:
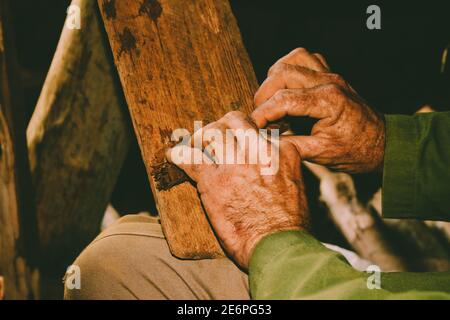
(294, 265)
(400, 167)
(275, 245)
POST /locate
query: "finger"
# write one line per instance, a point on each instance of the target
(218, 139)
(244, 133)
(287, 76)
(232, 120)
(301, 57)
(309, 147)
(237, 120)
(311, 102)
(203, 137)
(322, 60)
(191, 160)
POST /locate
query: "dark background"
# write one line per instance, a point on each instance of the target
(396, 69)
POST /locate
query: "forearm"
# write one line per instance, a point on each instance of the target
(416, 175)
(294, 265)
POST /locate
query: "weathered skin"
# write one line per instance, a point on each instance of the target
(349, 135)
(243, 206)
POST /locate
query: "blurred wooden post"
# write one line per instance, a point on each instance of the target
(2, 293)
(357, 224)
(17, 216)
(178, 61)
(78, 138)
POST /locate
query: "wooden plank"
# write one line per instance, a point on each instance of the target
(78, 138)
(178, 61)
(2, 291)
(17, 218)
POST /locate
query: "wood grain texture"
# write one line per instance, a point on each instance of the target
(18, 234)
(178, 61)
(78, 138)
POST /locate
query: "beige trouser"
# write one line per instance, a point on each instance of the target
(131, 260)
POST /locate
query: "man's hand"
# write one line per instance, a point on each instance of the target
(349, 135)
(243, 206)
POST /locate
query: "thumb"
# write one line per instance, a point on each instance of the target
(307, 146)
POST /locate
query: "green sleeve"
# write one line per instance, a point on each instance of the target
(294, 265)
(416, 175)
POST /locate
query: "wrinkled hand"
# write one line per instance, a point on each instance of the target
(243, 205)
(349, 135)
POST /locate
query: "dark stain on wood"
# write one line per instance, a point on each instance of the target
(152, 8)
(166, 135)
(127, 41)
(236, 105)
(171, 44)
(167, 175)
(109, 7)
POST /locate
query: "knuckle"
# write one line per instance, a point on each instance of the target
(336, 78)
(271, 69)
(234, 115)
(320, 57)
(279, 95)
(216, 125)
(335, 98)
(276, 68)
(280, 67)
(280, 70)
(282, 95)
(299, 51)
(333, 89)
(210, 127)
